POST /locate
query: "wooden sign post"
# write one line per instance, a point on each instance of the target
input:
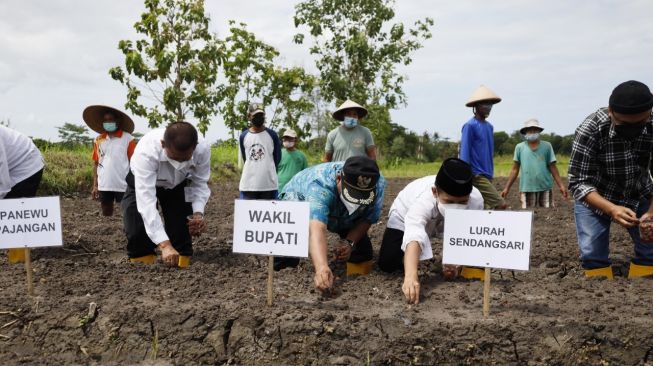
(488, 239)
(272, 228)
(30, 223)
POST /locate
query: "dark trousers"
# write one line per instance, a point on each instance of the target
(175, 210)
(26, 187)
(361, 252)
(259, 195)
(391, 257)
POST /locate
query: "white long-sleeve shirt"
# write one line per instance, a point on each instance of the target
(19, 159)
(151, 169)
(415, 212)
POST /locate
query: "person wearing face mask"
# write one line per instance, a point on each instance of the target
(610, 178)
(346, 199)
(538, 164)
(418, 214)
(260, 149)
(170, 169)
(112, 149)
(293, 161)
(477, 146)
(350, 138)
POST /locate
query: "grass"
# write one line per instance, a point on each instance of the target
(70, 171)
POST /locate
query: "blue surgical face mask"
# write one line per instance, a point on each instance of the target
(350, 122)
(110, 126)
(532, 136)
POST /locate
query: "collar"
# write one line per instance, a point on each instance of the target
(612, 132)
(118, 134)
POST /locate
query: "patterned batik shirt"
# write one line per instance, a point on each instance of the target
(317, 185)
(604, 162)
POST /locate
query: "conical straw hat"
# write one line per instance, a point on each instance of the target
(93, 117)
(483, 94)
(339, 114)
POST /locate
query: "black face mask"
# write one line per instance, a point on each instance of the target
(629, 131)
(258, 120)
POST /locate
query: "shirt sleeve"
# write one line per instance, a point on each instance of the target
(582, 163)
(465, 147)
(96, 154)
(304, 162)
(199, 188)
(5, 178)
(329, 142)
(517, 156)
(241, 145)
(369, 140)
(552, 155)
(375, 214)
(145, 166)
(319, 198)
(130, 148)
(276, 154)
(416, 220)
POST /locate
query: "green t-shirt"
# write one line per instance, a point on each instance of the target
(345, 143)
(292, 162)
(534, 165)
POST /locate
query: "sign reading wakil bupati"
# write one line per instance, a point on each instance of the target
(30, 222)
(496, 239)
(277, 228)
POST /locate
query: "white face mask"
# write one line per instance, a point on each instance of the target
(350, 122)
(351, 207)
(289, 144)
(443, 207)
(532, 136)
(178, 165)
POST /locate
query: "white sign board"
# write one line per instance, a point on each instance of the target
(495, 239)
(30, 222)
(277, 228)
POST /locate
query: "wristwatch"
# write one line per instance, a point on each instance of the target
(350, 242)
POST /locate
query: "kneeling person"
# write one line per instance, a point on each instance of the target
(171, 167)
(345, 198)
(418, 214)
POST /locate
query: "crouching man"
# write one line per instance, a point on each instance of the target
(170, 167)
(346, 199)
(418, 214)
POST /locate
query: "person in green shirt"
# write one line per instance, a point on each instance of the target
(538, 163)
(350, 138)
(293, 161)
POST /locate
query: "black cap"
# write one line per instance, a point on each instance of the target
(631, 97)
(455, 178)
(360, 175)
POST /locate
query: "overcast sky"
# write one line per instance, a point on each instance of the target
(554, 60)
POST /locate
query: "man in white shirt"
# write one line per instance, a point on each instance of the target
(21, 169)
(418, 214)
(171, 167)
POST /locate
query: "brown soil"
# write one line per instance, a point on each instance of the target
(214, 312)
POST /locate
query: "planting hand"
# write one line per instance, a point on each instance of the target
(169, 254)
(342, 251)
(411, 289)
(624, 216)
(197, 225)
(323, 278)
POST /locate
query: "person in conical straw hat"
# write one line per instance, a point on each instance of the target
(537, 161)
(350, 138)
(477, 149)
(112, 150)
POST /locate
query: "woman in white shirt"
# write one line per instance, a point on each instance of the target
(418, 214)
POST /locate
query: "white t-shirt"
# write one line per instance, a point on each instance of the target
(415, 212)
(112, 156)
(262, 153)
(19, 159)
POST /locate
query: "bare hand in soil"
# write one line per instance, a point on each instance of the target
(342, 252)
(449, 272)
(196, 225)
(323, 278)
(646, 228)
(169, 254)
(411, 290)
(624, 217)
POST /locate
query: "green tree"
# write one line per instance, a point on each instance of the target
(72, 134)
(176, 62)
(252, 76)
(358, 51)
